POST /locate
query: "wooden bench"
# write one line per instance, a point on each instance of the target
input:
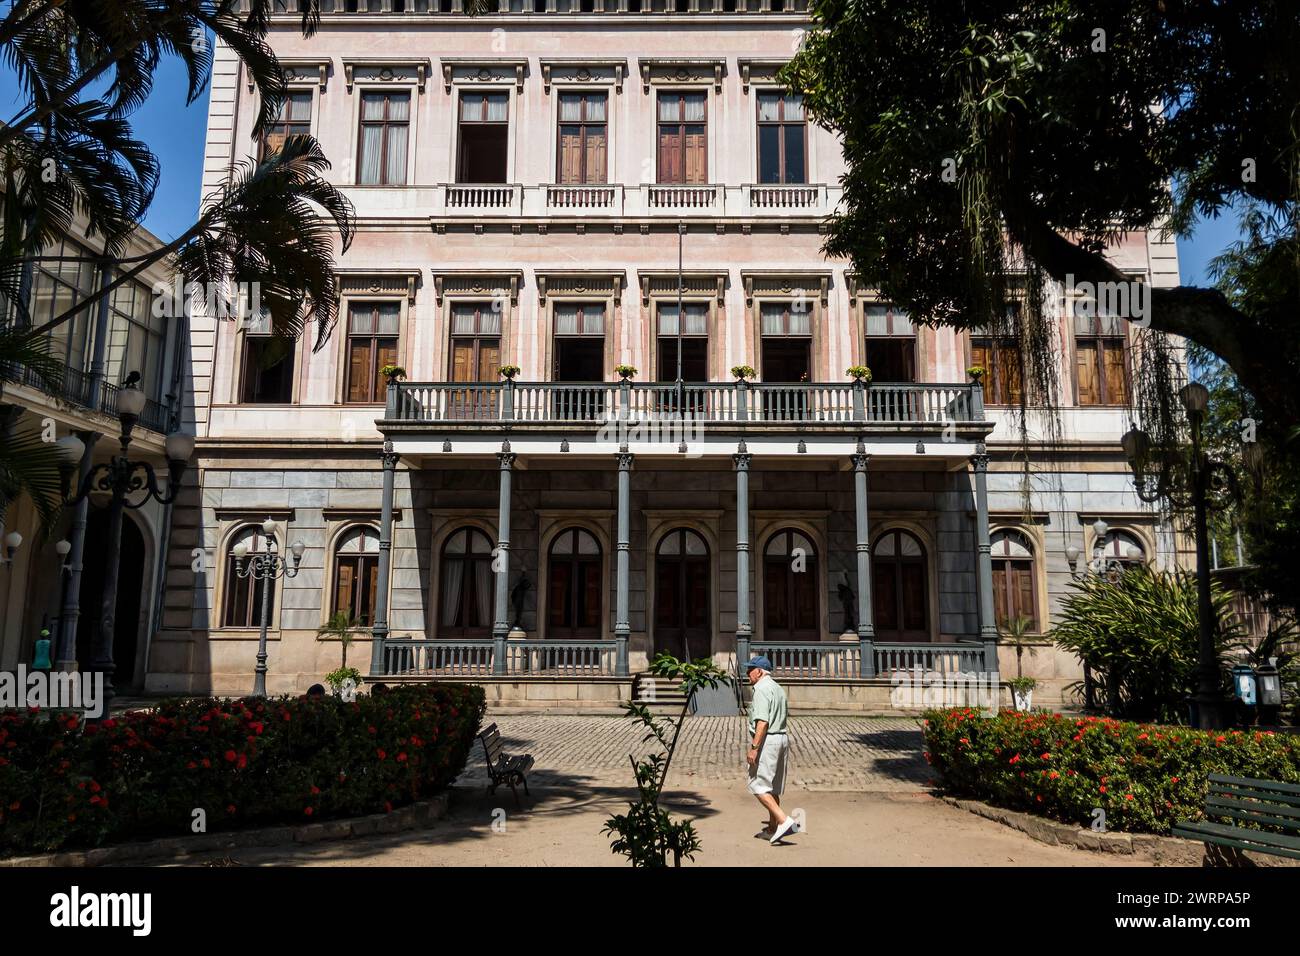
(501, 767)
(1243, 800)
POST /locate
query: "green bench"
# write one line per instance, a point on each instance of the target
(1244, 800)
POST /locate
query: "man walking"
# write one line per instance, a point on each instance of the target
(769, 747)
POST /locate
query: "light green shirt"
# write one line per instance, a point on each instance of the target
(769, 704)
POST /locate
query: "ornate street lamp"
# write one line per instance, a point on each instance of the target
(120, 477)
(1112, 568)
(1187, 481)
(266, 567)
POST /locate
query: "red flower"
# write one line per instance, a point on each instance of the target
(230, 756)
(1103, 789)
(1128, 796)
(308, 810)
(315, 789)
(243, 761)
(381, 754)
(401, 758)
(15, 805)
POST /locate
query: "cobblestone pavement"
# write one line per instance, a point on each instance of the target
(827, 753)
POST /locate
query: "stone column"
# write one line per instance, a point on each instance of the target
(744, 626)
(501, 564)
(70, 617)
(622, 622)
(984, 560)
(379, 629)
(866, 627)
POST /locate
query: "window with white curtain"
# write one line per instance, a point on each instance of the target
(385, 128)
(466, 591)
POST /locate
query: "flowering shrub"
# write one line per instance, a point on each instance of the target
(1144, 776)
(243, 762)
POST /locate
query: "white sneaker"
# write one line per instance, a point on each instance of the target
(784, 830)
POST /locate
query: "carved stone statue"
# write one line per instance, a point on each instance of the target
(848, 601)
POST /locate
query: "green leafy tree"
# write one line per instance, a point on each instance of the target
(1139, 633)
(647, 834)
(994, 145)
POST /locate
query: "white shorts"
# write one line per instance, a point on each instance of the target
(767, 774)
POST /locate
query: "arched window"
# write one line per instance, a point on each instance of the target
(790, 588)
(574, 598)
(1013, 580)
(900, 595)
(682, 587)
(465, 595)
(356, 575)
(1123, 546)
(243, 606)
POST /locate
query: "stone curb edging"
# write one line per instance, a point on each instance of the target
(412, 817)
(1170, 851)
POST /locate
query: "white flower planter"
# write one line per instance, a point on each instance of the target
(1023, 699)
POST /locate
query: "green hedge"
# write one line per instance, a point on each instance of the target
(244, 762)
(1145, 776)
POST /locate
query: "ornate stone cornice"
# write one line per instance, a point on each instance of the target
(784, 283)
(758, 70)
(681, 70)
(604, 283)
(659, 282)
(483, 69)
(300, 70)
(583, 69)
(379, 281)
(402, 69)
(476, 282)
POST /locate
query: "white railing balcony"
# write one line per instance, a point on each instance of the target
(558, 199)
(768, 200)
(482, 199)
(681, 200)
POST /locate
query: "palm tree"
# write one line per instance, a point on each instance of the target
(340, 625)
(28, 464)
(1016, 633)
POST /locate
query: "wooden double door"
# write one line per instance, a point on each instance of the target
(682, 588)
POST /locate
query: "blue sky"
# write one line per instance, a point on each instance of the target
(175, 133)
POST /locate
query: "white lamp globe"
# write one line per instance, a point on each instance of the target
(130, 401)
(71, 448)
(180, 446)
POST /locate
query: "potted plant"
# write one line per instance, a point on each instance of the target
(508, 371)
(859, 373)
(743, 373)
(340, 625)
(1022, 692)
(625, 371)
(393, 372)
(977, 373)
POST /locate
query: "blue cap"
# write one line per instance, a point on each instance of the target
(762, 663)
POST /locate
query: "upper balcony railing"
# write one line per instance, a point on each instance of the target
(526, 7)
(599, 200)
(708, 402)
(78, 388)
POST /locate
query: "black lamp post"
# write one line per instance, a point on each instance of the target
(1185, 482)
(266, 567)
(121, 477)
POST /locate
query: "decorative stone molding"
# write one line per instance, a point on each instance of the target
(386, 70)
(471, 70)
(758, 71)
(255, 515)
(681, 70)
(663, 283)
(358, 514)
(776, 283)
(565, 70)
(579, 283)
(379, 281)
(300, 71)
(476, 282)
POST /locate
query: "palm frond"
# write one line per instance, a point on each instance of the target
(29, 465)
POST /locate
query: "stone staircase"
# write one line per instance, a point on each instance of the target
(660, 695)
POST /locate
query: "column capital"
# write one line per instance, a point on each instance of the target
(388, 457)
(742, 460)
(860, 461)
(507, 459)
(625, 459)
(980, 460)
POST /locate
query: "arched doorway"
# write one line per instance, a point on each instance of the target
(574, 599)
(131, 589)
(682, 595)
(790, 605)
(466, 593)
(899, 590)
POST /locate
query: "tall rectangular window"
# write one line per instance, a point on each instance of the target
(385, 128)
(683, 143)
(268, 366)
(694, 341)
(890, 346)
(782, 138)
(372, 344)
(294, 119)
(484, 138)
(1101, 360)
(583, 140)
(475, 342)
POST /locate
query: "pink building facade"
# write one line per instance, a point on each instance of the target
(527, 186)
